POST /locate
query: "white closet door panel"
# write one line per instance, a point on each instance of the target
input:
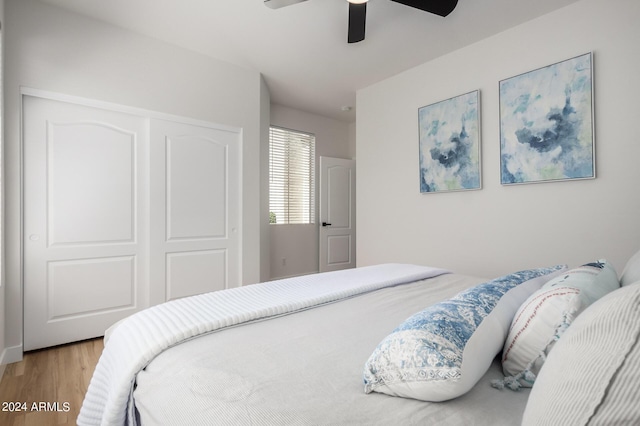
(197, 187)
(85, 220)
(195, 245)
(90, 285)
(90, 201)
(197, 272)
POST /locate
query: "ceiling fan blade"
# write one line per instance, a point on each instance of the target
(277, 4)
(357, 22)
(438, 7)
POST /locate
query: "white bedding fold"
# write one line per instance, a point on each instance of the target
(139, 339)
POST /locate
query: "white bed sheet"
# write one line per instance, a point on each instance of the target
(306, 369)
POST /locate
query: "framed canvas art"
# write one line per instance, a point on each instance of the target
(449, 144)
(547, 125)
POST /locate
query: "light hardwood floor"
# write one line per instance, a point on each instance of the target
(55, 379)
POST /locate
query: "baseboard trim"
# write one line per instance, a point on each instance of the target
(10, 355)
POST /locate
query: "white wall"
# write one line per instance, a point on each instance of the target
(50, 49)
(2, 281)
(503, 228)
(298, 244)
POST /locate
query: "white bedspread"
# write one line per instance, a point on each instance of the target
(139, 339)
(306, 369)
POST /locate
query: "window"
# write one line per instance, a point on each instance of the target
(292, 157)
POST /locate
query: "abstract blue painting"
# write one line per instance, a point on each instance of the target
(546, 123)
(449, 133)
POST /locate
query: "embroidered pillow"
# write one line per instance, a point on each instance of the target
(544, 317)
(441, 352)
(591, 377)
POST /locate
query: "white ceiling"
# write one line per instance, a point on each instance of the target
(302, 50)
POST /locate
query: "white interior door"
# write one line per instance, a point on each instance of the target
(195, 210)
(337, 214)
(85, 226)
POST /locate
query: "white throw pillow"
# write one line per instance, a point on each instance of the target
(546, 314)
(441, 352)
(592, 375)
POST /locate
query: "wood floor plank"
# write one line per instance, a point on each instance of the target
(49, 383)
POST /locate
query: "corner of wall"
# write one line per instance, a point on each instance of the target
(265, 122)
(352, 140)
(2, 286)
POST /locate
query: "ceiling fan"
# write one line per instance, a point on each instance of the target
(358, 12)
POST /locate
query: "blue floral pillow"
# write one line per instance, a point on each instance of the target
(441, 352)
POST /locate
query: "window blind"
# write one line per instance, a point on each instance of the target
(291, 176)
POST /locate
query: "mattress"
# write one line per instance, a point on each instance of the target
(306, 369)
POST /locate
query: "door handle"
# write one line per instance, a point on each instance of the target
(326, 224)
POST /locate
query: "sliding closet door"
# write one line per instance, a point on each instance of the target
(85, 220)
(195, 209)
(122, 211)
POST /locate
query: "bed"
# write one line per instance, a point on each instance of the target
(308, 351)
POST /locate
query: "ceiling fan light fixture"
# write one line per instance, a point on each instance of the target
(357, 1)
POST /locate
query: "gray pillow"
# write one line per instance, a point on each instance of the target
(591, 377)
(631, 271)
